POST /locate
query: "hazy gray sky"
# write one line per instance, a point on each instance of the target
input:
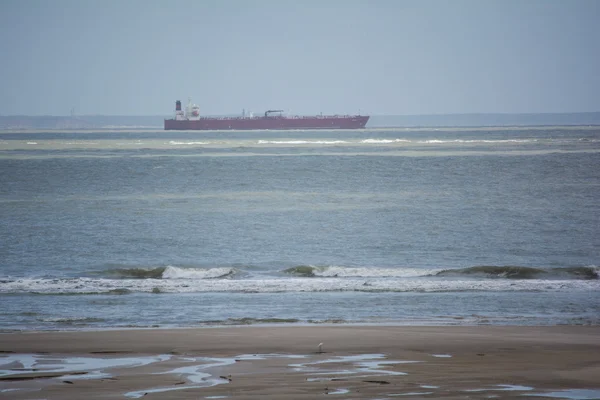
(136, 57)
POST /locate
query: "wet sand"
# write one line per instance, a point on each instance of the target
(275, 362)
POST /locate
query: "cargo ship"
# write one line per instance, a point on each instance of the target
(191, 120)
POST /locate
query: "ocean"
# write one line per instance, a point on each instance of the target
(146, 228)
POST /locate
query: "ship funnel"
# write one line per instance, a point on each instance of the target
(178, 105)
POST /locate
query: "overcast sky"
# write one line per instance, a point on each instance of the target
(136, 57)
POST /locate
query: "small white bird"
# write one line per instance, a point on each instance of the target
(320, 348)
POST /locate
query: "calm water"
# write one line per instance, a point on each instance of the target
(139, 229)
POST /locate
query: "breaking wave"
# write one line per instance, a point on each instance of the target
(139, 273)
(310, 278)
(198, 273)
(309, 271)
(508, 272)
(170, 272)
(516, 272)
(431, 284)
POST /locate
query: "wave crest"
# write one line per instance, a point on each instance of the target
(137, 273)
(309, 271)
(302, 270)
(171, 272)
(518, 272)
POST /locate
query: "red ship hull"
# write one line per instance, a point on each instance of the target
(269, 122)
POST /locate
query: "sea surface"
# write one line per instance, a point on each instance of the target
(146, 228)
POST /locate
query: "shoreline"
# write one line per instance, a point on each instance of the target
(411, 323)
(284, 362)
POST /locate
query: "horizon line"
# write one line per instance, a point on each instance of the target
(378, 115)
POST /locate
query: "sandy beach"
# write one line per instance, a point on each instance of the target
(274, 362)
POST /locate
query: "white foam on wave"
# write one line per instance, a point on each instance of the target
(365, 272)
(301, 141)
(384, 141)
(173, 142)
(171, 272)
(439, 141)
(445, 141)
(274, 285)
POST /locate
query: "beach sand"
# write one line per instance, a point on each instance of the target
(283, 362)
